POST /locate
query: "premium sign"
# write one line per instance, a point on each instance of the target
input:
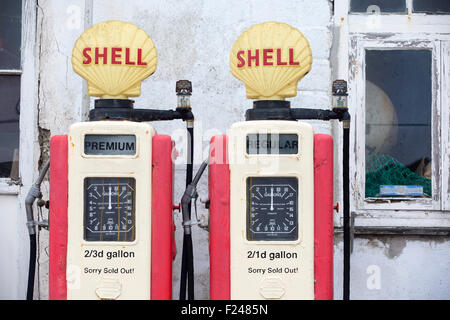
(102, 144)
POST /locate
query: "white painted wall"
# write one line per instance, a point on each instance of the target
(396, 267)
(10, 248)
(193, 40)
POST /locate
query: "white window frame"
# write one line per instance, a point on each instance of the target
(28, 103)
(445, 100)
(357, 78)
(357, 32)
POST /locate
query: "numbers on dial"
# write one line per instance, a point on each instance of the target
(109, 210)
(272, 208)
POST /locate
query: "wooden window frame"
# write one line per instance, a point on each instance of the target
(354, 33)
(28, 102)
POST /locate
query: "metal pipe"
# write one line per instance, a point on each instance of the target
(33, 194)
(346, 196)
(187, 264)
(139, 115)
(314, 114)
(183, 89)
(187, 268)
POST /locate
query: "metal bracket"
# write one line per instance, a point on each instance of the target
(40, 224)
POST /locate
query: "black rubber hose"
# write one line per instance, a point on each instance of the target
(187, 263)
(190, 267)
(346, 182)
(33, 194)
(32, 267)
(183, 270)
(190, 252)
(190, 156)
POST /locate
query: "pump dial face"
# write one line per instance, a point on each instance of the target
(109, 210)
(272, 208)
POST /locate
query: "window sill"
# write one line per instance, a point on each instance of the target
(398, 204)
(401, 219)
(8, 187)
(394, 231)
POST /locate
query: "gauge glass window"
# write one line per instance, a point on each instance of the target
(109, 209)
(272, 208)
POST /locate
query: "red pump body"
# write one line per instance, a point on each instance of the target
(162, 229)
(219, 221)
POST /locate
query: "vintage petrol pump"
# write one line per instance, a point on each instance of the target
(111, 178)
(271, 180)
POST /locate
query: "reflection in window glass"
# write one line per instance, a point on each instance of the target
(398, 123)
(9, 125)
(431, 6)
(378, 6)
(10, 34)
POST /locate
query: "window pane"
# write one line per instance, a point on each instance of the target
(431, 6)
(9, 125)
(398, 123)
(378, 6)
(10, 34)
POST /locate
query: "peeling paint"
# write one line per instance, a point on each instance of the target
(394, 247)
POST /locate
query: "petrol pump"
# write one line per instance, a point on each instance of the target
(271, 180)
(111, 178)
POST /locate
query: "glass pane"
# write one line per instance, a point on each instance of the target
(398, 123)
(109, 209)
(272, 208)
(431, 6)
(10, 34)
(9, 125)
(378, 6)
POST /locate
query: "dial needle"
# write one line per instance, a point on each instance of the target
(271, 199)
(109, 203)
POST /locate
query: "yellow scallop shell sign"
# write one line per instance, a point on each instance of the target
(114, 57)
(270, 58)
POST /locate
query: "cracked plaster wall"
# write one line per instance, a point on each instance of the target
(193, 41)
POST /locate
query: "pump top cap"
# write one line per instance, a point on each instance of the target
(270, 58)
(114, 57)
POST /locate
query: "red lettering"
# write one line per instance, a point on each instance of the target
(266, 57)
(115, 53)
(104, 56)
(255, 57)
(291, 58)
(279, 62)
(88, 59)
(241, 59)
(101, 56)
(139, 58)
(127, 57)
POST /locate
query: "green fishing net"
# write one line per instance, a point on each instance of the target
(383, 169)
